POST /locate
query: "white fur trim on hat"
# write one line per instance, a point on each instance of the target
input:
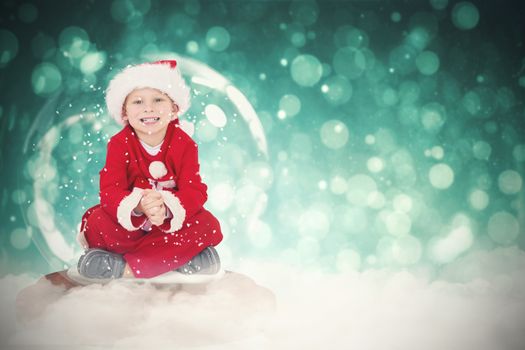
(177, 210)
(160, 76)
(157, 169)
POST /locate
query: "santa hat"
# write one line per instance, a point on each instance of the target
(161, 75)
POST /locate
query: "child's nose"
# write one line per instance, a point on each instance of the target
(148, 106)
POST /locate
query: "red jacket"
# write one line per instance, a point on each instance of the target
(174, 172)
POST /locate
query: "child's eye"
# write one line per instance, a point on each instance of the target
(159, 99)
(137, 102)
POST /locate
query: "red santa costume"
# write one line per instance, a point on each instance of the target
(173, 170)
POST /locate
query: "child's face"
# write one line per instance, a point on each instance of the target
(149, 111)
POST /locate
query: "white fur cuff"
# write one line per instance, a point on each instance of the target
(177, 210)
(125, 208)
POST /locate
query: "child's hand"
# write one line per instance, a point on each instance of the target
(157, 218)
(150, 199)
(152, 204)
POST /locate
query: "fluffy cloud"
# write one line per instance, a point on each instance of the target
(466, 306)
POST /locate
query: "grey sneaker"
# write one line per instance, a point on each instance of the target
(206, 262)
(98, 263)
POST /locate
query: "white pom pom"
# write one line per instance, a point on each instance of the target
(157, 169)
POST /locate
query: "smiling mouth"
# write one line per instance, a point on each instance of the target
(149, 120)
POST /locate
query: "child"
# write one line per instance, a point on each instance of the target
(150, 219)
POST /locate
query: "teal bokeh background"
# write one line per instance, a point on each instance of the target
(341, 135)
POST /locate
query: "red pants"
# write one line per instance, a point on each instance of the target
(153, 252)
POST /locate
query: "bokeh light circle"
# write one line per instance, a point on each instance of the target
(403, 203)
(503, 228)
(221, 196)
(338, 185)
(465, 15)
(360, 187)
(437, 152)
(479, 199)
(395, 17)
(290, 105)
(510, 182)
(334, 134)
(375, 164)
(482, 150)
(418, 39)
(192, 47)
(92, 62)
(402, 59)
(439, 4)
(20, 238)
(46, 79)
(349, 36)
(298, 39)
(260, 174)
(398, 223)
(74, 42)
(433, 116)
(376, 200)
(406, 250)
(472, 102)
(306, 70)
(205, 131)
(304, 12)
(441, 176)
(427, 62)
(18, 197)
(521, 81)
(337, 90)
(218, 39)
(349, 62)
(8, 47)
(409, 92)
(260, 234)
(314, 223)
(423, 27)
(388, 96)
(27, 13)
(351, 219)
(518, 152)
(182, 26)
(129, 11)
